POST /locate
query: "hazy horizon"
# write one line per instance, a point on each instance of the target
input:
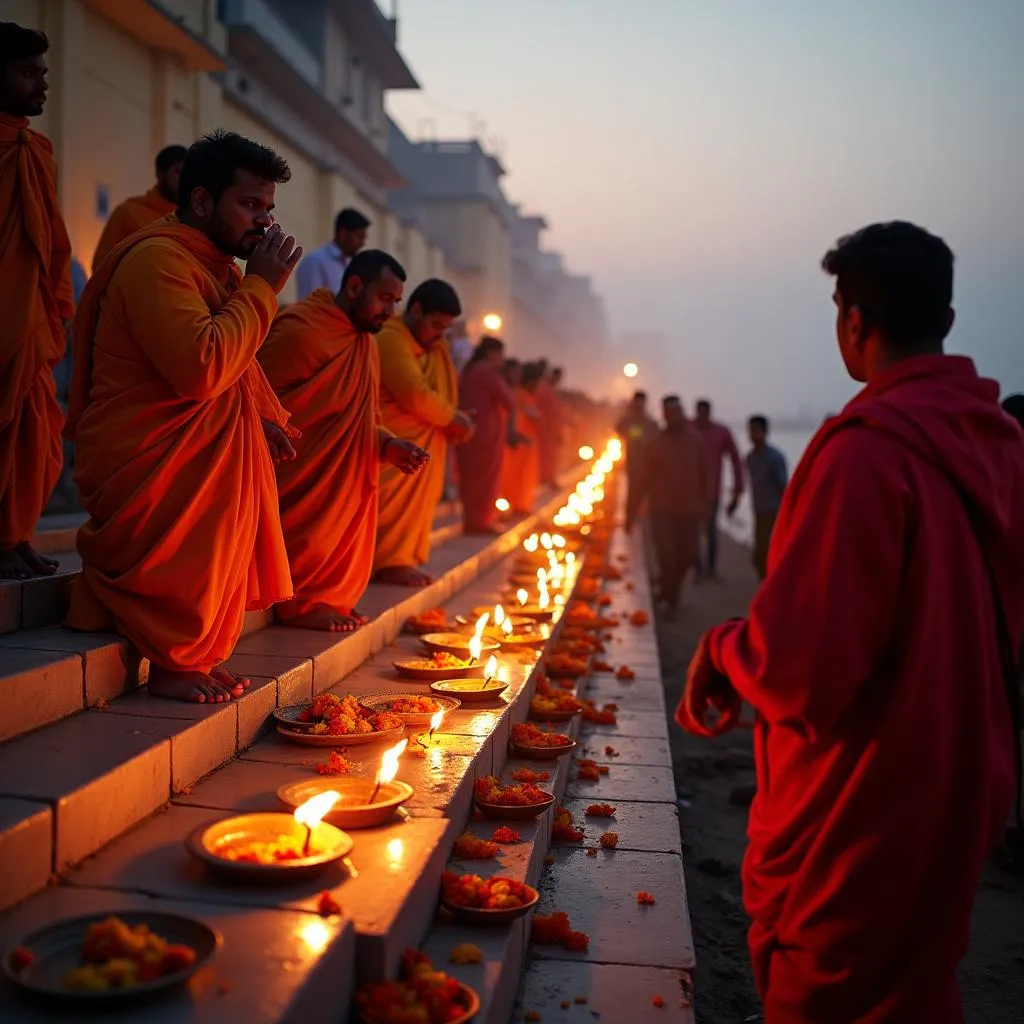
(698, 159)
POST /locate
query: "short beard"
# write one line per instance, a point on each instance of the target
(219, 233)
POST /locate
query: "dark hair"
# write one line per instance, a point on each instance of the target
(435, 296)
(533, 372)
(557, 371)
(19, 43)
(213, 161)
(350, 220)
(639, 396)
(486, 346)
(900, 277)
(758, 420)
(671, 400)
(511, 363)
(703, 403)
(168, 157)
(1013, 405)
(369, 264)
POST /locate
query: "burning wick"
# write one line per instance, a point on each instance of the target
(435, 721)
(313, 811)
(475, 649)
(388, 766)
(491, 669)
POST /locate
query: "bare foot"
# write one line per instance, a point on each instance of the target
(329, 620)
(237, 684)
(403, 576)
(194, 687)
(12, 567)
(41, 565)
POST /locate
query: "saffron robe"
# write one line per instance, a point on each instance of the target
(134, 214)
(418, 399)
(328, 375)
(552, 430)
(520, 474)
(166, 407)
(484, 392)
(35, 299)
(883, 743)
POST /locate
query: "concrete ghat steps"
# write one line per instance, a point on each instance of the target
(50, 672)
(42, 601)
(387, 905)
(99, 772)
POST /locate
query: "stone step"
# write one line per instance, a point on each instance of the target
(274, 966)
(50, 672)
(102, 771)
(43, 601)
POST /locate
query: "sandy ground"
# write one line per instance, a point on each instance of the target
(713, 828)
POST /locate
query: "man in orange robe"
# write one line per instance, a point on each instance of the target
(419, 396)
(520, 474)
(176, 425)
(321, 359)
(881, 656)
(35, 304)
(138, 212)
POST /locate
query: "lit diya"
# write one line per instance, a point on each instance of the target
(456, 644)
(541, 611)
(274, 847)
(361, 803)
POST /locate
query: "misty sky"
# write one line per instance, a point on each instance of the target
(697, 158)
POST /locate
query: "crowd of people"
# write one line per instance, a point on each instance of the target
(232, 453)
(675, 482)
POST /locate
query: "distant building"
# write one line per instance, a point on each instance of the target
(307, 77)
(453, 193)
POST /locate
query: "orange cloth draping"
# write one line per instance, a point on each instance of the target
(35, 297)
(134, 214)
(520, 473)
(166, 406)
(328, 375)
(419, 398)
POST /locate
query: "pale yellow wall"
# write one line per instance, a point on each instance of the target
(417, 257)
(297, 201)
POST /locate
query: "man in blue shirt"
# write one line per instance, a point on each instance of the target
(766, 467)
(325, 267)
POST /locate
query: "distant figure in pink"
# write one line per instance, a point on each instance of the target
(484, 393)
(552, 434)
(719, 444)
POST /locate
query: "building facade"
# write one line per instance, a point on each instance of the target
(306, 78)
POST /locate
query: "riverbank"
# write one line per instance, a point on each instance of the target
(710, 776)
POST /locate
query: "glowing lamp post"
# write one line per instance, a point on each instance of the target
(630, 370)
(492, 322)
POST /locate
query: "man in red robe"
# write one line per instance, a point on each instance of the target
(879, 655)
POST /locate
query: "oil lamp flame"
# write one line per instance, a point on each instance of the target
(389, 762)
(435, 721)
(475, 647)
(546, 541)
(506, 628)
(544, 600)
(481, 624)
(499, 615)
(316, 808)
(522, 597)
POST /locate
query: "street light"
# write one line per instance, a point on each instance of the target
(492, 322)
(630, 370)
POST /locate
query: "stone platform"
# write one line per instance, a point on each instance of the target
(98, 804)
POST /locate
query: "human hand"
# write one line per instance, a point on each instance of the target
(281, 447)
(461, 427)
(274, 258)
(405, 456)
(707, 690)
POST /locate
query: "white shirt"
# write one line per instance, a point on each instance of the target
(322, 268)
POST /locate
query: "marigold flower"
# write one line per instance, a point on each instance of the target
(645, 899)
(658, 1002)
(506, 835)
(491, 790)
(336, 764)
(602, 666)
(639, 618)
(470, 847)
(564, 829)
(466, 953)
(600, 811)
(483, 893)
(625, 673)
(609, 840)
(526, 734)
(327, 905)
(529, 775)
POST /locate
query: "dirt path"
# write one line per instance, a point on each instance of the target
(708, 772)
